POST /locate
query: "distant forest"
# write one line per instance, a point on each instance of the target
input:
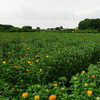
(84, 26)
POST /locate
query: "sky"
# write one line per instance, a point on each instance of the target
(47, 13)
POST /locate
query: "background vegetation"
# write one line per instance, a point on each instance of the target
(84, 26)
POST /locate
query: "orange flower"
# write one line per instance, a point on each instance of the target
(15, 67)
(55, 85)
(36, 56)
(29, 62)
(24, 95)
(13, 88)
(27, 70)
(36, 97)
(92, 76)
(52, 97)
(89, 92)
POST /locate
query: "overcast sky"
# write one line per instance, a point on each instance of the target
(47, 13)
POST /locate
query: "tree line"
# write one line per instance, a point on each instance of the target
(84, 26)
(10, 28)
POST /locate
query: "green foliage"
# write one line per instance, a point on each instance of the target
(25, 29)
(68, 30)
(87, 84)
(28, 27)
(90, 24)
(4, 28)
(41, 61)
(14, 29)
(34, 30)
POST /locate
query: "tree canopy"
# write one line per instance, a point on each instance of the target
(89, 24)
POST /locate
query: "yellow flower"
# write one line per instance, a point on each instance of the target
(47, 56)
(46, 90)
(55, 60)
(52, 97)
(37, 60)
(83, 72)
(4, 62)
(24, 95)
(89, 92)
(36, 97)
(55, 85)
(40, 69)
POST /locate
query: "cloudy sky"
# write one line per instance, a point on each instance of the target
(47, 13)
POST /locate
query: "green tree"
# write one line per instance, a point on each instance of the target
(57, 28)
(89, 24)
(28, 27)
(25, 29)
(38, 28)
(61, 27)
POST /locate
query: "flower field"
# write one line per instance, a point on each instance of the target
(49, 66)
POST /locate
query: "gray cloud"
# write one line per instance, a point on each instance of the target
(48, 11)
(33, 14)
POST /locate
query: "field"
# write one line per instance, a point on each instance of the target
(49, 66)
